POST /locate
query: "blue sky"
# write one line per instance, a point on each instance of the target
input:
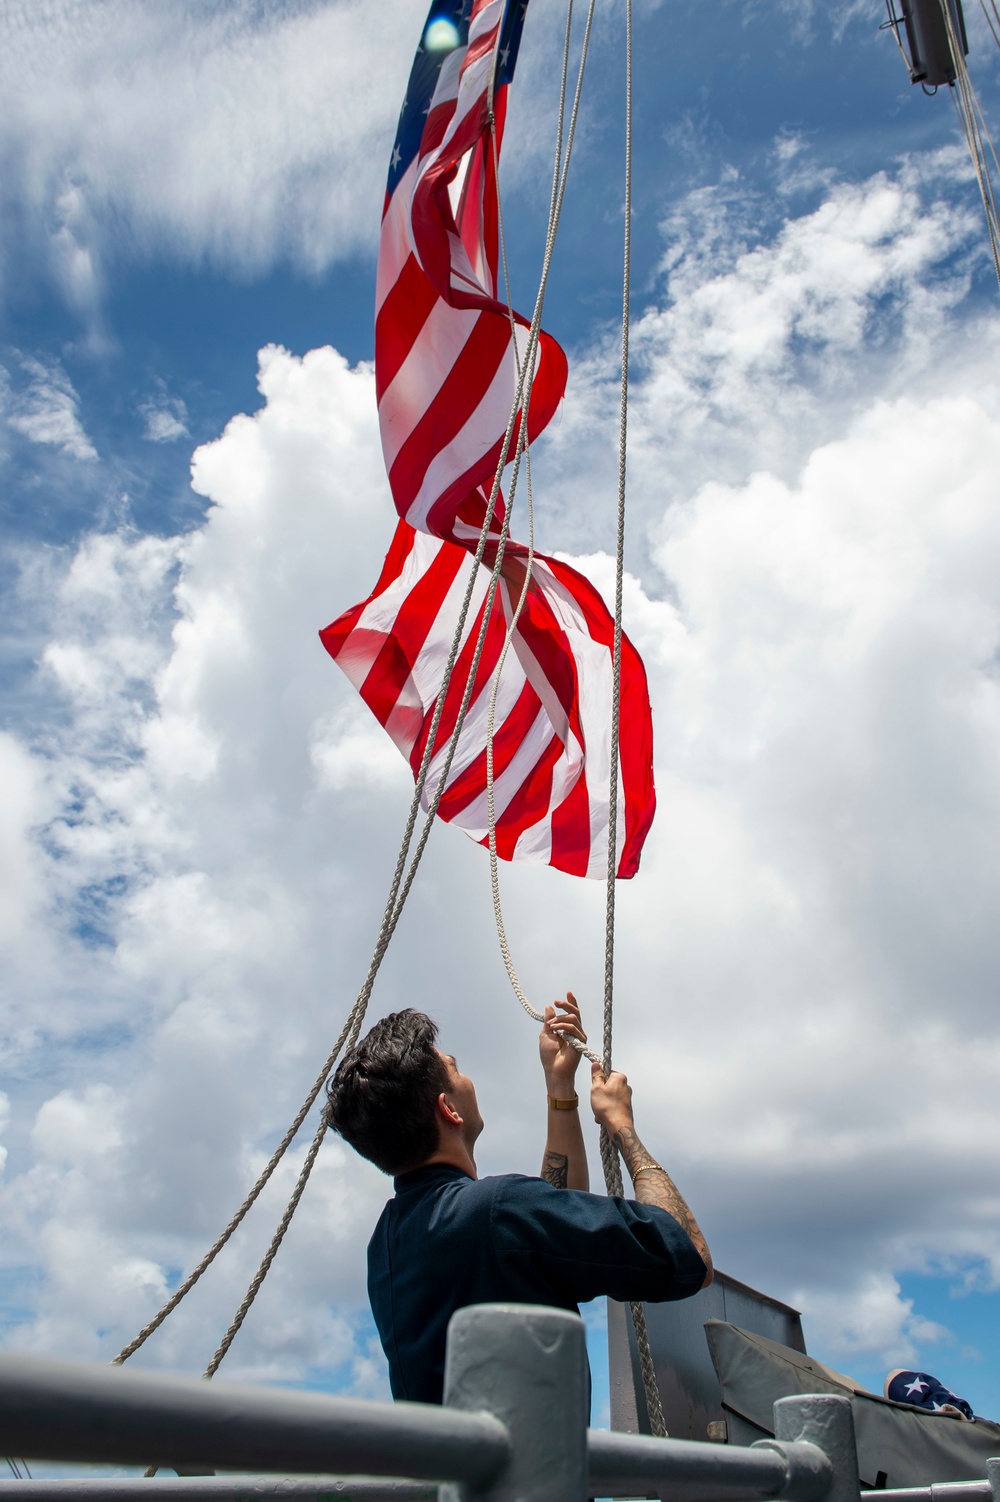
(198, 820)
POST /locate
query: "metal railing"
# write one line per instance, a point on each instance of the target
(512, 1429)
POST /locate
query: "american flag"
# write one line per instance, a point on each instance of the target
(446, 378)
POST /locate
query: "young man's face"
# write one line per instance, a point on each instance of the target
(461, 1093)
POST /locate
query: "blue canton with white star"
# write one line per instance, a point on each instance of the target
(427, 66)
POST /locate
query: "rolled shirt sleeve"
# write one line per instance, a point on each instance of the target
(585, 1245)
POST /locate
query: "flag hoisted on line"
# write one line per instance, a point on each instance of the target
(446, 379)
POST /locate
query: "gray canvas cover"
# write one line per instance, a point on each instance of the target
(912, 1446)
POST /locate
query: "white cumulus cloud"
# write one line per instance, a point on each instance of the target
(806, 962)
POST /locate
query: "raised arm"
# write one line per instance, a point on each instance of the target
(565, 1161)
(611, 1101)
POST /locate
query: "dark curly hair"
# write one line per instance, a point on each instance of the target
(383, 1096)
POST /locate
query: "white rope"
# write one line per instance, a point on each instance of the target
(559, 177)
(975, 131)
(399, 891)
(990, 20)
(609, 933)
(609, 1153)
(969, 112)
(401, 884)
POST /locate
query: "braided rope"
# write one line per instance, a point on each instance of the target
(559, 177)
(401, 885)
(269, 1255)
(996, 13)
(976, 131)
(609, 1152)
(357, 1015)
(399, 891)
(216, 1247)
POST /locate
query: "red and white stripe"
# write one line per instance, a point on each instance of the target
(445, 364)
(551, 745)
(446, 375)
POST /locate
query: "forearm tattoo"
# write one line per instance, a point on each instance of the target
(555, 1170)
(656, 1188)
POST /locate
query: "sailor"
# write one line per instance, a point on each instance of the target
(450, 1238)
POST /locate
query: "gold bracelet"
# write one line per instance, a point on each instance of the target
(646, 1168)
(564, 1105)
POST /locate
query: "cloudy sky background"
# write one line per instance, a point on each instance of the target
(199, 820)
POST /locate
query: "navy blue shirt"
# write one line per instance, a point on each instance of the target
(447, 1241)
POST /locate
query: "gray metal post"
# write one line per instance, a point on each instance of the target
(624, 1399)
(526, 1367)
(825, 1422)
(993, 1477)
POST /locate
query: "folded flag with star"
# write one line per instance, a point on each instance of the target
(921, 1390)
